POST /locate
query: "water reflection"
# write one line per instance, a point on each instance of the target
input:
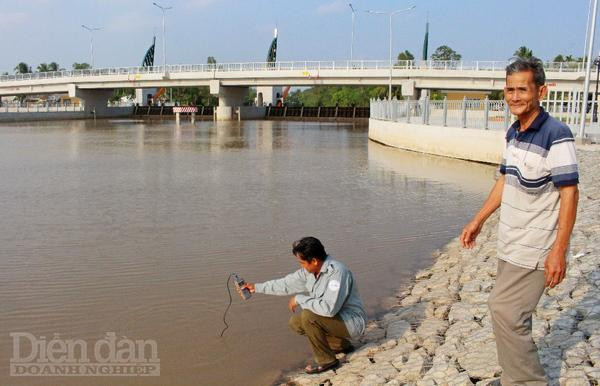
(391, 162)
(133, 227)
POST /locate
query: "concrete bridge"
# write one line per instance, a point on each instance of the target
(230, 81)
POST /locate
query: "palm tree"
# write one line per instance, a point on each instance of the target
(523, 53)
(42, 67)
(405, 55)
(22, 68)
(53, 66)
(81, 66)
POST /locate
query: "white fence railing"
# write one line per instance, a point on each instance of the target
(476, 114)
(305, 65)
(15, 108)
(485, 114)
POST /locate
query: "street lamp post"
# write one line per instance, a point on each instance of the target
(91, 31)
(595, 101)
(586, 83)
(391, 15)
(164, 9)
(352, 40)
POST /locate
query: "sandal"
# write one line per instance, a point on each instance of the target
(315, 368)
(346, 350)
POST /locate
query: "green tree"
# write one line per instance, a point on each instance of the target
(496, 95)
(42, 67)
(343, 96)
(81, 66)
(558, 58)
(405, 55)
(122, 92)
(53, 66)
(22, 68)
(445, 53)
(211, 60)
(249, 100)
(523, 53)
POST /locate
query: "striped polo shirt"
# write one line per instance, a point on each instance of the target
(535, 164)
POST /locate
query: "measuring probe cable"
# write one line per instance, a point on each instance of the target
(228, 306)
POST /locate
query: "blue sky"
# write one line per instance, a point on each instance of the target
(37, 31)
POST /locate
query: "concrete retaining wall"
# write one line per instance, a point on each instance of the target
(252, 112)
(469, 144)
(110, 112)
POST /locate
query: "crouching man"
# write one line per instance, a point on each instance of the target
(332, 311)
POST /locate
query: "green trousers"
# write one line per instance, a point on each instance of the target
(326, 335)
(512, 301)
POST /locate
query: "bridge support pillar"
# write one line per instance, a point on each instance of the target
(143, 96)
(94, 101)
(266, 95)
(229, 99)
(409, 91)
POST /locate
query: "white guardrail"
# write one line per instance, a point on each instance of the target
(297, 66)
(477, 114)
(39, 108)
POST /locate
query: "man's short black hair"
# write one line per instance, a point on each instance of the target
(532, 64)
(308, 248)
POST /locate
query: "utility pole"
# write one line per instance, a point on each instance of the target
(164, 9)
(352, 39)
(91, 31)
(391, 15)
(586, 86)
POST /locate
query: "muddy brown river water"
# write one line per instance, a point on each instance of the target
(132, 227)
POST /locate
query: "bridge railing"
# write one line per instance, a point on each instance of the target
(39, 108)
(306, 65)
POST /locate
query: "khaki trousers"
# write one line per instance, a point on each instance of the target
(326, 335)
(511, 302)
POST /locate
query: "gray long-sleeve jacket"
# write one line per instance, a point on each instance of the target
(333, 293)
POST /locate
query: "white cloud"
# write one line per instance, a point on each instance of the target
(331, 7)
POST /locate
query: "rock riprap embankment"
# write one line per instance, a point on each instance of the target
(440, 332)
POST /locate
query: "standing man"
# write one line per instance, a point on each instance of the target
(332, 311)
(537, 195)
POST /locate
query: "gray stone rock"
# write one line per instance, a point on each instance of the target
(412, 370)
(489, 382)
(592, 372)
(589, 326)
(481, 361)
(441, 312)
(594, 355)
(440, 373)
(432, 327)
(471, 286)
(412, 314)
(474, 297)
(409, 300)
(594, 341)
(391, 343)
(397, 328)
(460, 312)
(460, 379)
(574, 377)
(373, 333)
(461, 329)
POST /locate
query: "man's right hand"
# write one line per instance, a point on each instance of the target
(469, 234)
(249, 286)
